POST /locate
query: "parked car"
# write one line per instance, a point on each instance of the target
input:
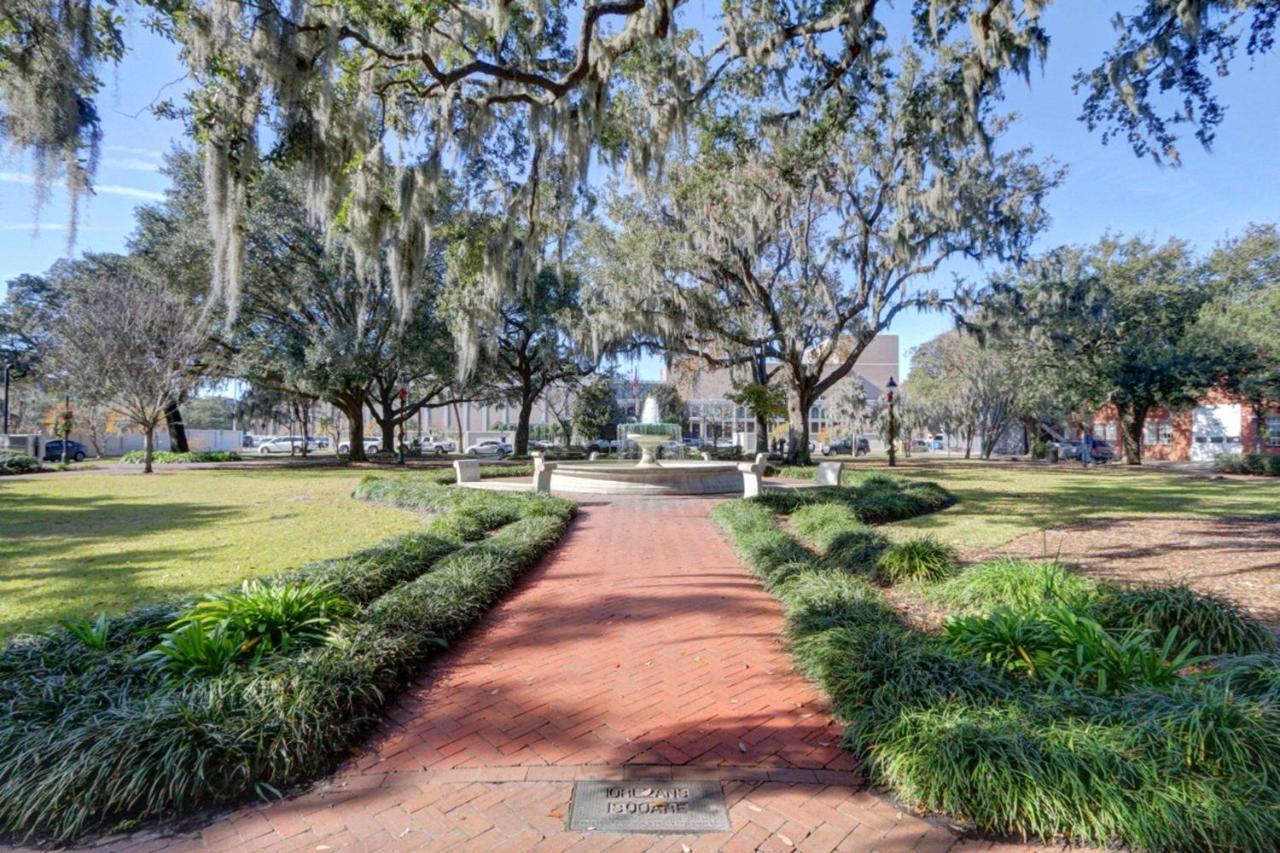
(371, 445)
(599, 445)
(489, 448)
(1103, 451)
(840, 445)
(76, 452)
(438, 446)
(284, 444)
(318, 442)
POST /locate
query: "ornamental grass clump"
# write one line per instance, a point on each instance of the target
(1058, 645)
(1220, 625)
(1014, 583)
(920, 559)
(839, 536)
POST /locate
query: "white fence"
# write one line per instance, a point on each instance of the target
(118, 444)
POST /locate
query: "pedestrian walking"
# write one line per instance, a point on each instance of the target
(1086, 448)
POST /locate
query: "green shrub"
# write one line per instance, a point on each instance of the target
(1262, 464)
(267, 618)
(1249, 675)
(837, 533)
(92, 635)
(920, 559)
(1220, 626)
(1059, 645)
(1014, 583)
(90, 738)
(194, 650)
(17, 463)
(168, 457)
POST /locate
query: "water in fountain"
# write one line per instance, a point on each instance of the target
(649, 411)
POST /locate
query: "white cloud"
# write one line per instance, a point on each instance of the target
(141, 152)
(133, 164)
(47, 226)
(100, 189)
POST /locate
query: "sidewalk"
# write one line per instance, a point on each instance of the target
(640, 649)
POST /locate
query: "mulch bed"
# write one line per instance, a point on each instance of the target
(1236, 558)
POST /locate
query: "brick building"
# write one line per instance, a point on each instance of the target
(1216, 424)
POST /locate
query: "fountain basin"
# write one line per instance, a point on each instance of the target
(667, 478)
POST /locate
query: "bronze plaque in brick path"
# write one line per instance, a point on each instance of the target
(648, 807)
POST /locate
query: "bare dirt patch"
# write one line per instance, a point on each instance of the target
(1237, 558)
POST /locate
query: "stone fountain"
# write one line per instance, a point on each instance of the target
(650, 433)
(648, 476)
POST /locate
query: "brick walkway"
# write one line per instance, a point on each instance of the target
(640, 649)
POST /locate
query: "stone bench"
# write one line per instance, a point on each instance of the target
(829, 473)
(542, 471)
(467, 470)
(752, 479)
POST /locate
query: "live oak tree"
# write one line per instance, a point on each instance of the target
(797, 246)
(131, 345)
(377, 101)
(1239, 328)
(1117, 319)
(535, 343)
(595, 410)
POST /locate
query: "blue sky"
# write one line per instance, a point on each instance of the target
(1211, 196)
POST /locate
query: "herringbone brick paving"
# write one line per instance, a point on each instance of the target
(641, 648)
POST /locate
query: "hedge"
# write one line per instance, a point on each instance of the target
(95, 740)
(167, 457)
(1262, 464)
(1189, 767)
(12, 462)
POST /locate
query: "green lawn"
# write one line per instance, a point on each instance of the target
(78, 544)
(998, 502)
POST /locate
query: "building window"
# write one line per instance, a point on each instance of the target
(1105, 431)
(1158, 431)
(1273, 431)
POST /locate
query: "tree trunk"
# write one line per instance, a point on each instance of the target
(177, 430)
(1131, 434)
(354, 410)
(304, 412)
(762, 434)
(148, 448)
(527, 399)
(798, 418)
(462, 430)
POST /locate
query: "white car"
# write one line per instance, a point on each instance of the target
(489, 448)
(282, 444)
(371, 445)
(438, 446)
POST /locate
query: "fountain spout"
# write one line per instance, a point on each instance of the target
(651, 432)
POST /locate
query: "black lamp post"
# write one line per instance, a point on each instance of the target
(404, 404)
(893, 427)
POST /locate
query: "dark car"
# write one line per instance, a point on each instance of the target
(76, 452)
(1103, 451)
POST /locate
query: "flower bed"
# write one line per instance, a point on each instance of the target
(1048, 705)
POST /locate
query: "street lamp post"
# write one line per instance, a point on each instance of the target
(404, 404)
(8, 368)
(893, 427)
